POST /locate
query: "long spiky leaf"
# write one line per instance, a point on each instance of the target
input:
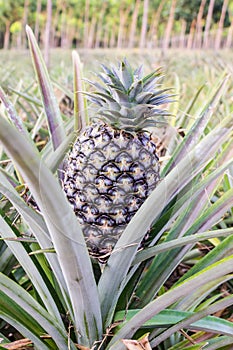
(216, 270)
(125, 249)
(79, 99)
(55, 123)
(198, 127)
(64, 230)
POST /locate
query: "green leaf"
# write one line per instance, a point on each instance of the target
(27, 97)
(190, 140)
(54, 119)
(7, 261)
(192, 302)
(64, 230)
(13, 116)
(22, 256)
(214, 271)
(23, 311)
(79, 100)
(53, 159)
(194, 216)
(208, 324)
(169, 317)
(213, 343)
(225, 248)
(220, 343)
(126, 248)
(185, 198)
(38, 229)
(167, 246)
(164, 264)
(126, 74)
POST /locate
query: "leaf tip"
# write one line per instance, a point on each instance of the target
(28, 29)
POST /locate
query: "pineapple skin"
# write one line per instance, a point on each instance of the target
(108, 175)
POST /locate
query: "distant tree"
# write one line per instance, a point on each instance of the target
(189, 10)
(92, 32)
(16, 30)
(86, 22)
(191, 34)
(229, 39)
(37, 20)
(199, 25)
(114, 23)
(133, 25)
(63, 24)
(155, 18)
(220, 25)
(168, 30)
(124, 13)
(144, 24)
(182, 34)
(99, 18)
(208, 23)
(24, 22)
(48, 32)
(10, 12)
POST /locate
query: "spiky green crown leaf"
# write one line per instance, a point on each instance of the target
(127, 99)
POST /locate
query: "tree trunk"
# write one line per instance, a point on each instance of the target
(229, 36)
(18, 41)
(92, 31)
(168, 30)
(63, 28)
(37, 22)
(70, 29)
(112, 41)
(182, 34)
(86, 22)
(208, 24)
(218, 38)
(198, 35)
(25, 19)
(106, 38)
(133, 26)
(6, 44)
(47, 33)
(100, 25)
(191, 34)
(123, 17)
(153, 33)
(55, 40)
(142, 43)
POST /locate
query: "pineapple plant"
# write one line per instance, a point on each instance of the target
(113, 166)
(53, 293)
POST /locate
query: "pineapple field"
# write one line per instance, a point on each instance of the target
(116, 199)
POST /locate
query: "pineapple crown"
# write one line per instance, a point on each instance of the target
(127, 99)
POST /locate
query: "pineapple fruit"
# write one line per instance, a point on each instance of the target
(113, 166)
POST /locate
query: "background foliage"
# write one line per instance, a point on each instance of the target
(110, 23)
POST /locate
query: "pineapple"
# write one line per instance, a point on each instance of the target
(113, 166)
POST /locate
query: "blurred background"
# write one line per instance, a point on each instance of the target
(191, 39)
(191, 24)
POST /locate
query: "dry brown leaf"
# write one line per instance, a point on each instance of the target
(82, 347)
(142, 344)
(17, 345)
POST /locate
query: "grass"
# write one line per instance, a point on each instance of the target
(190, 65)
(187, 70)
